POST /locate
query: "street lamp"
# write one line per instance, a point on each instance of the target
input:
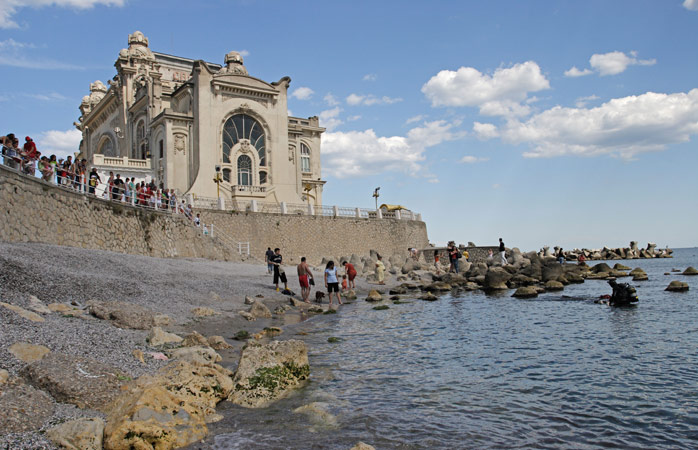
(217, 179)
(376, 195)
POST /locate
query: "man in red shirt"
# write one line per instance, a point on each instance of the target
(351, 274)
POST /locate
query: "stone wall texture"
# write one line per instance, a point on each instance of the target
(35, 211)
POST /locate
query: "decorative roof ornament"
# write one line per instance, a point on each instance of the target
(233, 65)
(137, 48)
(97, 92)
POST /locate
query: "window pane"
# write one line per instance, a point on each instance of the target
(239, 127)
(226, 175)
(262, 157)
(304, 149)
(262, 177)
(305, 163)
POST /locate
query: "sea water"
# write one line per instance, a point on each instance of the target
(480, 371)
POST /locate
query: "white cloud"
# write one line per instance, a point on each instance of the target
(302, 93)
(414, 119)
(691, 4)
(13, 54)
(353, 118)
(59, 143)
(243, 53)
(330, 99)
(370, 77)
(330, 119)
(620, 127)
(370, 100)
(613, 63)
(362, 153)
(581, 102)
(485, 131)
(473, 159)
(498, 94)
(574, 72)
(8, 8)
(433, 180)
(50, 97)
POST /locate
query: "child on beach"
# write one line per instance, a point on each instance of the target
(344, 283)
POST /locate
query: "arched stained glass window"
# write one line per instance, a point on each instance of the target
(242, 126)
(244, 170)
(305, 158)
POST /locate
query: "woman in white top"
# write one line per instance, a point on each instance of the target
(331, 281)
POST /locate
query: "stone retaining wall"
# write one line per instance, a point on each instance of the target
(32, 210)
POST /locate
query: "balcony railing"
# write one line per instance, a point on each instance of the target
(120, 162)
(249, 189)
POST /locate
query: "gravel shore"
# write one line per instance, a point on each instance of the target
(173, 287)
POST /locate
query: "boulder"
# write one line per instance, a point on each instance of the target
(161, 320)
(318, 414)
(617, 273)
(28, 352)
(194, 339)
(59, 307)
(196, 355)
(574, 278)
(168, 410)
(362, 446)
(551, 271)
(601, 267)
(619, 266)
(247, 315)
(29, 315)
(83, 382)
(374, 296)
(637, 271)
(218, 343)
(24, 408)
(438, 286)
(203, 311)
(690, 271)
(158, 337)
(249, 300)
(553, 285)
(519, 280)
(496, 279)
(640, 277)
(526, 292)
(597, 276)
(399, 290)
(79, 434)
(677, 286)
(349, 294)
(123, 314)
(268, 372)
(410, 265)
(429, 296)
(37, 305)
(259, 310)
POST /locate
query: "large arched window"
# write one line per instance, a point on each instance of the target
(242, 126)
(244, 170)
(305, 158)
(106, 148)
(140, 140)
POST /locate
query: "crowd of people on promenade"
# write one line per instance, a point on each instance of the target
(74, 174)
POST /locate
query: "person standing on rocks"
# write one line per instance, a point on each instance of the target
(304, 277)
(380, 270)
(268, 257)
(332, 282)
(502, 253)
(560, 256)
(453, 256)
(350, 272)
(279, 274)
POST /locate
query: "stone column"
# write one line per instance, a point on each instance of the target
(398, 216)
(311, 209)
(379, 214)
(284, 209)
(335, 211)
(358, 213)
(221, 203)
(253, 205)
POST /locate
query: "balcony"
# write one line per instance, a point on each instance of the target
(248, 191)
(118, 162)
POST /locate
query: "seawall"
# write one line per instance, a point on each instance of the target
(32, 210)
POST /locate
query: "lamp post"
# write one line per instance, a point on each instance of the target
(217, 179)
(376, 195)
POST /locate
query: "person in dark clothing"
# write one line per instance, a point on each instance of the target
(117, 188)
(93, 181)
(267, 257)
(502, 253)
(279, 273)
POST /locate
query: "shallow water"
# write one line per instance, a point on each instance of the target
(476, 371)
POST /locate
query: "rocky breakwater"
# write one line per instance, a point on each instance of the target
(529, 274)
(610, 253)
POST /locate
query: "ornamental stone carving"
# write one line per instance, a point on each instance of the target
(180, 143)
(137, 48)
(245, 146)
(233, 65)
(291, 152)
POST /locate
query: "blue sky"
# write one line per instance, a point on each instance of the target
(544, 122)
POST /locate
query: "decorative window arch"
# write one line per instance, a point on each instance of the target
(239, 127)
(305, 158)
(106, 147)
(244, 170)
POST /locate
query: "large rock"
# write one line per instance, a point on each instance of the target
(438, 286)
(318, 414)
(259, 310)
(526, 292)
(195, 339)
(520, 280)
(80, 434)
(551, 272)
(268, 372)
(218, 343)
(601, 267)
(619, 266)
(374, 296)
(28, 352)
(123, 314)
(410, 265)
(496, 279)
(29, 315)
(23, 407)
(203, 311)
(83, 382)
(158, 337)
(37, 305)
(362, 446)
(196, 355)
(690, 271)
(553, 285)
(677, 286)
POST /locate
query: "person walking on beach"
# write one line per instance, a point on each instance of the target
(331, 282)
(453, 256)
(304, 279)
(350, 272)
(279, 273)
(268, 257)
(502, 253)
(380, 270)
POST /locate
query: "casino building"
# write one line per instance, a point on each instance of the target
(185, 122)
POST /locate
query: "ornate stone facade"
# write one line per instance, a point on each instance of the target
(184, 122)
